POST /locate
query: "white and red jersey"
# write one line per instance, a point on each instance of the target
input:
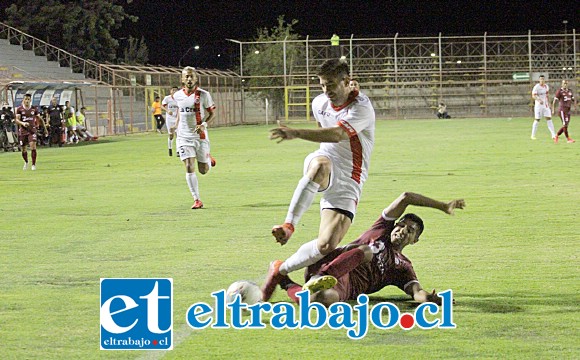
(171, 104)
(192, 110)
(357, 118)
(541, 91)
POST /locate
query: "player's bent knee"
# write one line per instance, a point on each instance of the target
(326, 247)
(319, 170)
(203, 168)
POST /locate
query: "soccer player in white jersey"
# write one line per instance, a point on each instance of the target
(196, 111)
(169, 105)
(542, 106)
(338, 169)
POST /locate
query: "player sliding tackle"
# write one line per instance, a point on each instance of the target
(338, 169)
(375, 259)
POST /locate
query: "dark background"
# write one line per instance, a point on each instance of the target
(170, 28)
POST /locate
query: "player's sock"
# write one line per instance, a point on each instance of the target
(560, 131)
(566, 133)
(25, 156)
(169, 143)
(344, 263)
(306, 255)
(301, 200)
(551, 128)
(535, 128)
(192, 182)
(291, 290)
(34, 157)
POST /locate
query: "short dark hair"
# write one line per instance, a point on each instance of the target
(334, 68)
(28, 95)
(416, 219)
(541, 76)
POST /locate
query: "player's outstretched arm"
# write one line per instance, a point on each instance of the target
(421, 296)
(320, 135)
(397, 207)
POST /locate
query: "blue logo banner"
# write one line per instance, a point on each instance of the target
(136, 314)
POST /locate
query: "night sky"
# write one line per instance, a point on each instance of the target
(171, 27)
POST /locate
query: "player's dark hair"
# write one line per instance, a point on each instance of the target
(27, 95)
(541, 76)
(334, 68)
(416, 219)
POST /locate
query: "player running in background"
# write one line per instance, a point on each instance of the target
(196, 111)
(375, 260)
(565, 96)
(338, 169)
(542, 106)
(28, 118)
(169, 105)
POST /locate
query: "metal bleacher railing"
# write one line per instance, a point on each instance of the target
(485, 75)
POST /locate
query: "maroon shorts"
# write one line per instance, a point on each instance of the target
(26, 139)
(565, 116)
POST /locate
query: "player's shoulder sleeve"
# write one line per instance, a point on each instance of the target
(165, 100)
(206, 100)
(319, 104)
(360, 116)
(535, 89)
(405, 274)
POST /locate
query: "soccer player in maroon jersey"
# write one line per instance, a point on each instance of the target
(28, 118)
(375, 259)
(565, 96)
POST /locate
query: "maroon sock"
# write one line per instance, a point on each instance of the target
(566, 133)
(25, 156)
(292, 290)
(344, 263)
(34, 157)
(560, 131)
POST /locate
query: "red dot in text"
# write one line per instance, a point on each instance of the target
(154, 342)
(407, 321)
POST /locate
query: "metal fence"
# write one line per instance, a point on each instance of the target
(406, 77)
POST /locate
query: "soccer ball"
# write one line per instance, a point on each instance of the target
(249, 291)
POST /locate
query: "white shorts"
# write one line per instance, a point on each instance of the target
(542, 111)
(342, 191)
(198, 149)
(169, 122)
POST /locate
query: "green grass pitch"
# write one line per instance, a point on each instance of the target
(120, 207)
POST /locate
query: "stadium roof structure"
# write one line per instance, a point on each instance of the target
(57, 85)
(160, 69)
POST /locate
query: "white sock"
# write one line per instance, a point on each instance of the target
(551, 128)
(301, 200)
(306, 255)
(191, 179)
(169, 143)
(535, 128)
